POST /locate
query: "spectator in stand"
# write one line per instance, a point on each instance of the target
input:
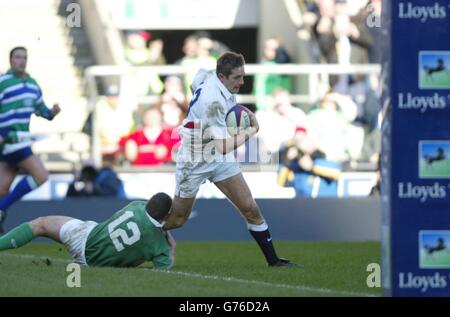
(114, 120)
(320, 18)
(93, 182)
(173, 86)
(137, 53)
(136, 50)
(344, 38)
(304, 167)
(215, 47)
(152, 144)
(339, 23)
(155, 52)
(278, 122)
(196, 56)
(329, 125)
(190, 48)
(265, 84)
(353, 42)
(174, 104)
(173, 110)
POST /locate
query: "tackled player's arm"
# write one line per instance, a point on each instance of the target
(172, 245)
(225, 146)
(137, 263)
(163, 262)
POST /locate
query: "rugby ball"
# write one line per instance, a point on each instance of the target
(237, 119)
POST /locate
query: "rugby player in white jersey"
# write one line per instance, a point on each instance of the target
(206, 152)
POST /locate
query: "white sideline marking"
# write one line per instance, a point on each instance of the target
(29, 256)
(220, 278)
(262, 283)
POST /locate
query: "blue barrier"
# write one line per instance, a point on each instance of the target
(356, 219)
(416, 147)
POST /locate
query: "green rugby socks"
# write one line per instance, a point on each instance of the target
(17, 237)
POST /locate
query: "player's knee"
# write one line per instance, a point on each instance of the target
(3, 191)
(42, 178)
(38, 226)
(251, 212)
(249, 206)
(254, 219)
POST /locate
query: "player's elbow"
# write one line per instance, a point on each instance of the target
(175, 223)
(178, 223)
(223, 151)
(221, 146)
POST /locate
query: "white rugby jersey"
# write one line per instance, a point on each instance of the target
(205, 120)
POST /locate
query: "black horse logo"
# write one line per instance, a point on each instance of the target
(440, 67)
(440, 245)
(440, 155)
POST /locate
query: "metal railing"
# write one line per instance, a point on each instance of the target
(315, 73)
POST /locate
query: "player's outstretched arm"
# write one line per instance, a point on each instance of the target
(172, 245)
(225, 146)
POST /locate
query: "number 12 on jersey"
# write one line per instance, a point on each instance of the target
(118, 234)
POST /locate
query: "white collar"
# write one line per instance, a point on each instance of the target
(154, 221)
(226, 93)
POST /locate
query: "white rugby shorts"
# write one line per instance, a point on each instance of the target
(73, 234)
(189, 177)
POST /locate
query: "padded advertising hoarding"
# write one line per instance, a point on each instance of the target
(416, 148)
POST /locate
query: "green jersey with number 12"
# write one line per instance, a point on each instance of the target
(128, 238)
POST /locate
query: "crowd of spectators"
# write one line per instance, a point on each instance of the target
(319, 140)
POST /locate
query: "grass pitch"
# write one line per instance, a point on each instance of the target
(440, 259)
(439, 80)
(437, 169)
(212, 268)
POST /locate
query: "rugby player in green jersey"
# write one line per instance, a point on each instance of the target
(20, 97)
(128, 238)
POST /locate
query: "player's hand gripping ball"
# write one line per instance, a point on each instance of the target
(238, 119)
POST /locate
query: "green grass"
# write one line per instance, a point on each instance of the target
(440, 259)
(437, 169)
(437, 80)
(202, 269)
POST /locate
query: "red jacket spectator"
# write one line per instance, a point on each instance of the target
(152, 144)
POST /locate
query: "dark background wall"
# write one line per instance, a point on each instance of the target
(216, 219)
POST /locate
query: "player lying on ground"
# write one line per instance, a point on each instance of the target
(129, 237)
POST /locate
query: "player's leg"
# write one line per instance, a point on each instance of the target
(180, 211)
(236, 190)
(7, 175)
(49, 227)
(37, 176)
(187, 185)
(34, 166)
